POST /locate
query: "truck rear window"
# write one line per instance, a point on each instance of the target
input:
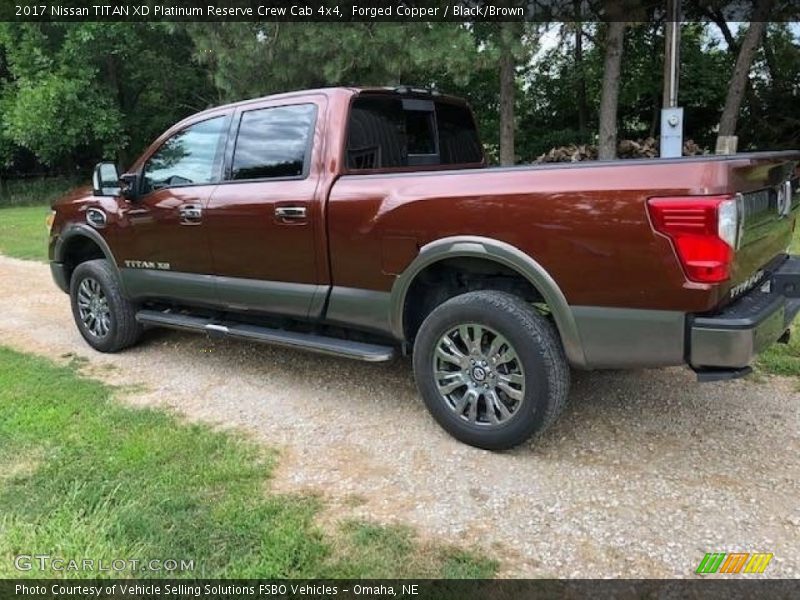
(388, 131)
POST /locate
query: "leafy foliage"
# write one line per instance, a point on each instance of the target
(771, 118)
(78, 92)
(72, 93)
(50, 118)
(549, 98)
(254, 59)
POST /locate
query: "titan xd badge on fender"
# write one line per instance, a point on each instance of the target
(147, 264)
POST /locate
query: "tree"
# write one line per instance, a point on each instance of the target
(741, 71)
(81, 91)
(508, 92)
(478, 60)
(255, 59)
(607, 140)
(771, 119)
(580, 74)
(6, 145)
(508, 48)
(72, 93)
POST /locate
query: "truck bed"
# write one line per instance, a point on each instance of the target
(586, 223)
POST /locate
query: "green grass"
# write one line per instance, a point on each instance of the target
(23, 233)
(82, 476)
(24, 205)
(784, 359)
(27, 192)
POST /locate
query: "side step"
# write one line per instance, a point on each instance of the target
(278, 337)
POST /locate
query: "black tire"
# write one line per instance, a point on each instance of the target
(541, 359)
(122, 330)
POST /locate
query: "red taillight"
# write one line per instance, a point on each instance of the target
(702, 230)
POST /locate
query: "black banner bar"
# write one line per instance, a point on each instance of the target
(384, 10)
(732, 588)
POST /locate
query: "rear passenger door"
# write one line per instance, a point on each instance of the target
(263, 219)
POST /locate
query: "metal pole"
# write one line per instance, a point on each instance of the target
(671, 114)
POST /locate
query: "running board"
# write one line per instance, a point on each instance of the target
(277, 337)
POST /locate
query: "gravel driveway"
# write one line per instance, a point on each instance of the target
(644, 473)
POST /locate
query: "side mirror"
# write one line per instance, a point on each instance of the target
(105, 180)
(129, 185)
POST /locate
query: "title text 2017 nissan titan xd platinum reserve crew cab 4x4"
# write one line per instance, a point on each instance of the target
(365, 222)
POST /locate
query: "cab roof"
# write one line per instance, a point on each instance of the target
(341, 92)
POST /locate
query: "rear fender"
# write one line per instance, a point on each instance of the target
(502, 253)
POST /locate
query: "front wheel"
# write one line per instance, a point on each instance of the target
(105, 318)
(490, 369)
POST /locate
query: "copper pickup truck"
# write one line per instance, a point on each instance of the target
(365, 222)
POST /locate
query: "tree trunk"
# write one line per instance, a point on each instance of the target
(581, 91)
(740, 79)
(770, 59)
(607, 142)
(655, 116)
(718, 18)
(508, 88)
(114, 83)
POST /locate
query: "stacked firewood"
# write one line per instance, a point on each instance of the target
(570, 153)
(690, 148)
(642, 148)
(646, 148)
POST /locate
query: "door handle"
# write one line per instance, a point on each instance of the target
(290, 213)
(191, 214)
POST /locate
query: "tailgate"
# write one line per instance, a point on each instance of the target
(768, 196)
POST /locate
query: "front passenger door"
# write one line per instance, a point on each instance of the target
(166, 244)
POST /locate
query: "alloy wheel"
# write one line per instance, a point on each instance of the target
(479, 375)
(93, 308)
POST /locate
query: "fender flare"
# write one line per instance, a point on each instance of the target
(504, 254)
(80, 230)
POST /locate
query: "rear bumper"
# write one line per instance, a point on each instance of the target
(733, 337)
(59, 273)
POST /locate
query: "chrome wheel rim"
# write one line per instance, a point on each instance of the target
(93, 308)
(479, 375)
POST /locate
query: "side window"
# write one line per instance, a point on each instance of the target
(274, 142)
(387, 132)
(420, 132)
(458, 137)
(420, 129)
(376, 133)
(190, 157)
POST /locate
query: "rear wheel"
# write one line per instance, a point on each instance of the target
(105, 318)
(490, 369)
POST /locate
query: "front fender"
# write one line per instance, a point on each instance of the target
(61, 248)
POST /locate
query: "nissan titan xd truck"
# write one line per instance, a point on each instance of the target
(365, 223)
